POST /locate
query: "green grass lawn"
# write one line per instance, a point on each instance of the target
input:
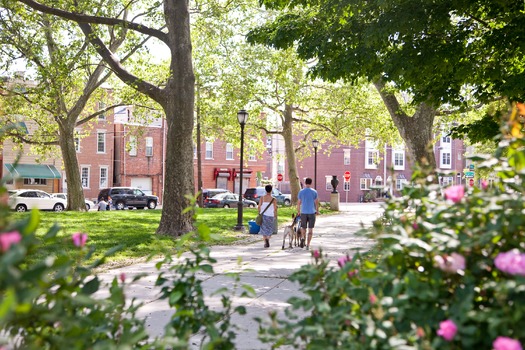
(135, 230)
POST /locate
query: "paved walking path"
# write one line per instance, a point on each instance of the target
(268, 275)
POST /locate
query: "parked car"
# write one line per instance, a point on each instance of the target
(227, 200)
(254, 193)
(212, 192)
(24, 200)
(89, 204)
(128, 197)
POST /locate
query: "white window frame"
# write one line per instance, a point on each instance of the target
(229, 151)
(103, 180)
(149, 146)
(328, 183)
(85, 175)
(101, 105)
(365, 183)
(398, 159)
(372, 154)
(209, 150)
(101, 142)
(133, 146)
(400, 183)
(445, 159)
(346, 156)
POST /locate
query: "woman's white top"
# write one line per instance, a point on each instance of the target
(268, 212)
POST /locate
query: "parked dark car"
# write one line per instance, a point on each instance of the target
(254, 193)
(227, 200)
(211, 192)
(128, 197)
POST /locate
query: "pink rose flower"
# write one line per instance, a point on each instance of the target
(450, 263)
(484, 185)
(504, 343)
(342, 261)
(122, 277)
(455, 193)
(316, 254)
(447, 330)
(372, 298)
(352, 273)
(420, 332)
(511, 262)
(8, 239)
(415, 226)
(79, 239)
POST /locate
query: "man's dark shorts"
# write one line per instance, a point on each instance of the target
(307, 220)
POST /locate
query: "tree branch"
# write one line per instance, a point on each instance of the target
(87, 19)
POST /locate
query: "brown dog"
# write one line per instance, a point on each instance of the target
(290, 231)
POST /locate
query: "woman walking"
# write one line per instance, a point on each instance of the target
(268, 209)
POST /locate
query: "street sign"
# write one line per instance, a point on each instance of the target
(469, 174)
(471, 167)
(279, 177)
(471, 182)
(347, 175)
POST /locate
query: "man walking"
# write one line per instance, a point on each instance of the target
(308, 208)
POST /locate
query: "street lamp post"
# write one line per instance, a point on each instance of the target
(242, 117)
(315, 143)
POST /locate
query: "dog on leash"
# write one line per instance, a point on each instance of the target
(291, 232)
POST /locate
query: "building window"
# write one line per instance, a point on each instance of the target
(101, 106)
(84, 176)
(101, 142)
(446, 139)
(209, 150)
(447, 180)
(445, 160)
(365, 183)
(149, 146)
(37, 182)
(229, 151)
(133, 145)
(194, 151)
(346, 157)
(400, 183)
(103, 177)
(399, 160)
(77, 144)
(328, 183)
(372, 154)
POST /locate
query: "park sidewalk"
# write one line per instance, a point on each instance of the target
(268, 272)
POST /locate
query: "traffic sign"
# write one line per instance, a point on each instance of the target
(279, 177)
(469, 174)
(471, 167)
(347, 175)
(471, 182)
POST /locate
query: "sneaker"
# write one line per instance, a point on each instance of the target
(266, 244)
(302, 243)
(307, 247)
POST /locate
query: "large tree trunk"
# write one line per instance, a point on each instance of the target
(178, 105)
(290, 153)
(75, 194)
(415, 130)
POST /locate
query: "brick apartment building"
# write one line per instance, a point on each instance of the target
(373, 171)
(116, 150)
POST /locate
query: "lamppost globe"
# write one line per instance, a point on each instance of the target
(242, 117)
(315, 144)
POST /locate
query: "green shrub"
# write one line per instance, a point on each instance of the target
(450, 273)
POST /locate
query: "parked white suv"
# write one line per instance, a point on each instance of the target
(24, 200)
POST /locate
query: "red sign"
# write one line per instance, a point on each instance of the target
(471, 182)
(279, 177)
(347, 175)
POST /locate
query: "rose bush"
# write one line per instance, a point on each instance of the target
(448, 272)
(55, 304)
